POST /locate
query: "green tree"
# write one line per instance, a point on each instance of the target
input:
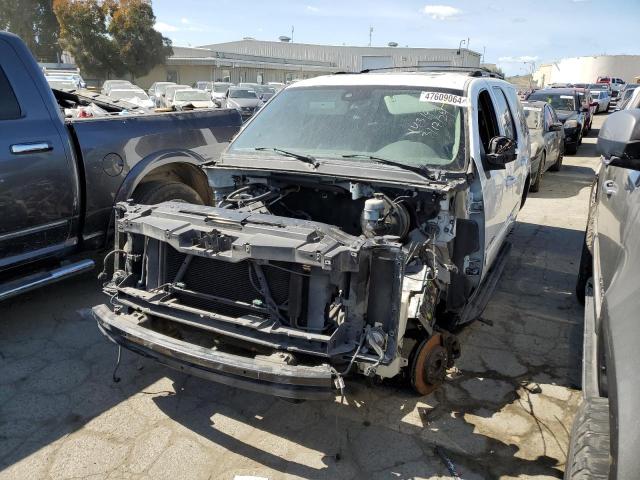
(34, 22)
(83, 33)
(111, 37)
(140, 46)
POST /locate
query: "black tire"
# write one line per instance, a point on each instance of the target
(588, 457)
(535, 185)
(151, 193)
(557, 166)
(571, 149)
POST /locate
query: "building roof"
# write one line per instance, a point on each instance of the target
(347, 58)
(455, 81)
(207, 56)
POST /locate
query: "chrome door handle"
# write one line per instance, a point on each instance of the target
(510, 180)
(610, 187)
(36, 147)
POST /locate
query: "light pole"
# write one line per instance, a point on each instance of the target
(460, 48)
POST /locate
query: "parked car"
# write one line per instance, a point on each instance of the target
(61, 83)
(169, 90)
(120, 84)
(191, 99)
(242, 99)
(590, 105)
(265, 93)
(546, 136)
(277, 86)
(572, 113)
(73, 73)
(135, 96)
(632, 102)
(614, 83)
(249, 85)
(219, 92)
(203, 85)
(602, 98)
(156, 92)
(348, 236)
(626, 95)
(604, 440)
(62, 177)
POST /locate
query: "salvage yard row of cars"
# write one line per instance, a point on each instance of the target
(350, 227)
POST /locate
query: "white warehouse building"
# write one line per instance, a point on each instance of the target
(588, 69)
(250, 60)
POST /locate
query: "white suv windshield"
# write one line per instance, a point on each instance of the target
(402, 124)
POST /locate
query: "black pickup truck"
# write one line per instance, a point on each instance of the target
(60, 177)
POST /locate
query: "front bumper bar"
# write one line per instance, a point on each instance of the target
(258, 375)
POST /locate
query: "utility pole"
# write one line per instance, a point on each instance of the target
(292, 30)
(484, 50)
(370, 33)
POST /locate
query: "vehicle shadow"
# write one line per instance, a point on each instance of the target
(566, 183)
(56, 367)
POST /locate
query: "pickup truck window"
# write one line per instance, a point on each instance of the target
(9, 107)
(487, 123)
(504, 114)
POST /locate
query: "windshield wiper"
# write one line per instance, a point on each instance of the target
(420, 170)
(299, 156)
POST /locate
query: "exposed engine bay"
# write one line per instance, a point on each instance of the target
(296, 273)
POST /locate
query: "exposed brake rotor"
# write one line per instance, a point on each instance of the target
(429, 365)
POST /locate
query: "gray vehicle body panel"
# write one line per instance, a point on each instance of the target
(616, 258)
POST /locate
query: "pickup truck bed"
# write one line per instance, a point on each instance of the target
(60, 177)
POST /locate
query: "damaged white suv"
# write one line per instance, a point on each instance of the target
(358, 219)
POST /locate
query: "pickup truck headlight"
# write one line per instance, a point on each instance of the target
(573, 123)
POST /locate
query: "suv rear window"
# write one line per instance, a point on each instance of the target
(9, 107)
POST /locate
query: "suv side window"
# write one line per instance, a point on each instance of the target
(9, 107)
(487, 122)
(504, 114)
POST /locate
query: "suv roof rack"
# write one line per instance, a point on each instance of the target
(471, 71)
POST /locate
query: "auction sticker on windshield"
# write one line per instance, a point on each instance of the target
(446, 98)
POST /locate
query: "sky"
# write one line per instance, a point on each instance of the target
(514, 34)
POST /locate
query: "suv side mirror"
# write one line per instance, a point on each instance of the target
(555, 127)
(619, 139)
(502, 150)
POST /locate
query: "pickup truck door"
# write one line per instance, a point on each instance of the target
(38, 177)
(515, 174)
(484, 127)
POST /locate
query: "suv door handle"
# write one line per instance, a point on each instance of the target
(610, 187)
(510, 180)
(36, 147)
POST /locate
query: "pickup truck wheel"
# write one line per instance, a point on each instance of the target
(535, 186)
(588, 457)
(151, 193)
(558, 165)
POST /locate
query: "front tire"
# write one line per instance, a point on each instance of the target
(588, 457)
(535, 186)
